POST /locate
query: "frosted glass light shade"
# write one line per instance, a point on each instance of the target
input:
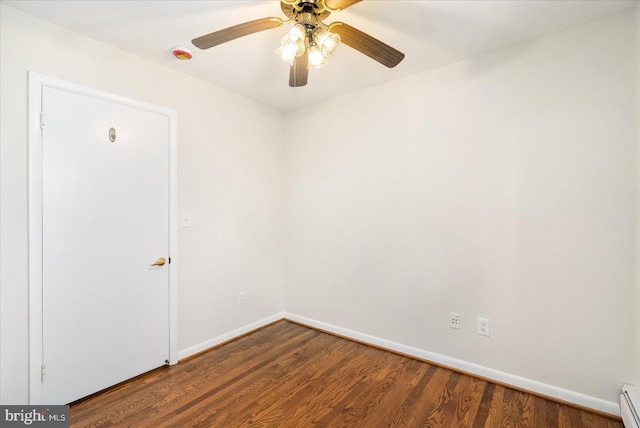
(327, 41)
(298, 32)
(292, 44)
(315, 57)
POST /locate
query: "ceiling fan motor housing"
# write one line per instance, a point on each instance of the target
(309, 20)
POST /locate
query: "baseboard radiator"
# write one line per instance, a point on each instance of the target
(630, 406)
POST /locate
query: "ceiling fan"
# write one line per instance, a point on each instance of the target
(310, 41)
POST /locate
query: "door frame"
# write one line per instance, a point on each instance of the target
(36, 83)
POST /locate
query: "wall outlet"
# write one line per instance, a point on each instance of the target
(454, 320)
(241, 298)
(483, 326)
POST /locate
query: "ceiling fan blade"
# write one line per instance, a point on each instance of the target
(364, 43)
(299, 74)
(336, 5)
(222, 36)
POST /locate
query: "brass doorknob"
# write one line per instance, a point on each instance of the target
(160, 262)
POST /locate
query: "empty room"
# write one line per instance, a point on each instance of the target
(320, 213)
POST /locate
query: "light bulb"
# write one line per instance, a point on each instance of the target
(315, 57)
(292, 44)
(290, 48)
(286, 53)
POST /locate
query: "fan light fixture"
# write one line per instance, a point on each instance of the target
(310, 41)
(308, 36)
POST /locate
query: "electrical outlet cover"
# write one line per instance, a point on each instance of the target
(454, 320)
(483, 326)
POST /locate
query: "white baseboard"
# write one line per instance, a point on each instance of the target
(192, 350)
(577, 398)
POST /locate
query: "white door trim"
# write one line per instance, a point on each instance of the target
(36, 83)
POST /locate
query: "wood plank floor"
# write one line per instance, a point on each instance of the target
(287, 375)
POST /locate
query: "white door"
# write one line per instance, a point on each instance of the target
(105, 220)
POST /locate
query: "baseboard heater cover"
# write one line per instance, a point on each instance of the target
(630, 406)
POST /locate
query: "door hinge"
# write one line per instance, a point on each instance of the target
(42, 120)
(42, 373)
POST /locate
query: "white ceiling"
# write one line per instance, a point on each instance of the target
(430, 33)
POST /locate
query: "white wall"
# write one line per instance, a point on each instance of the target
(503, 186)
(230, 178)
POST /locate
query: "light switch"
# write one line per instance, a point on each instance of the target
(186, 219)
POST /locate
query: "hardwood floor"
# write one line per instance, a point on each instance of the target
(287, 375)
